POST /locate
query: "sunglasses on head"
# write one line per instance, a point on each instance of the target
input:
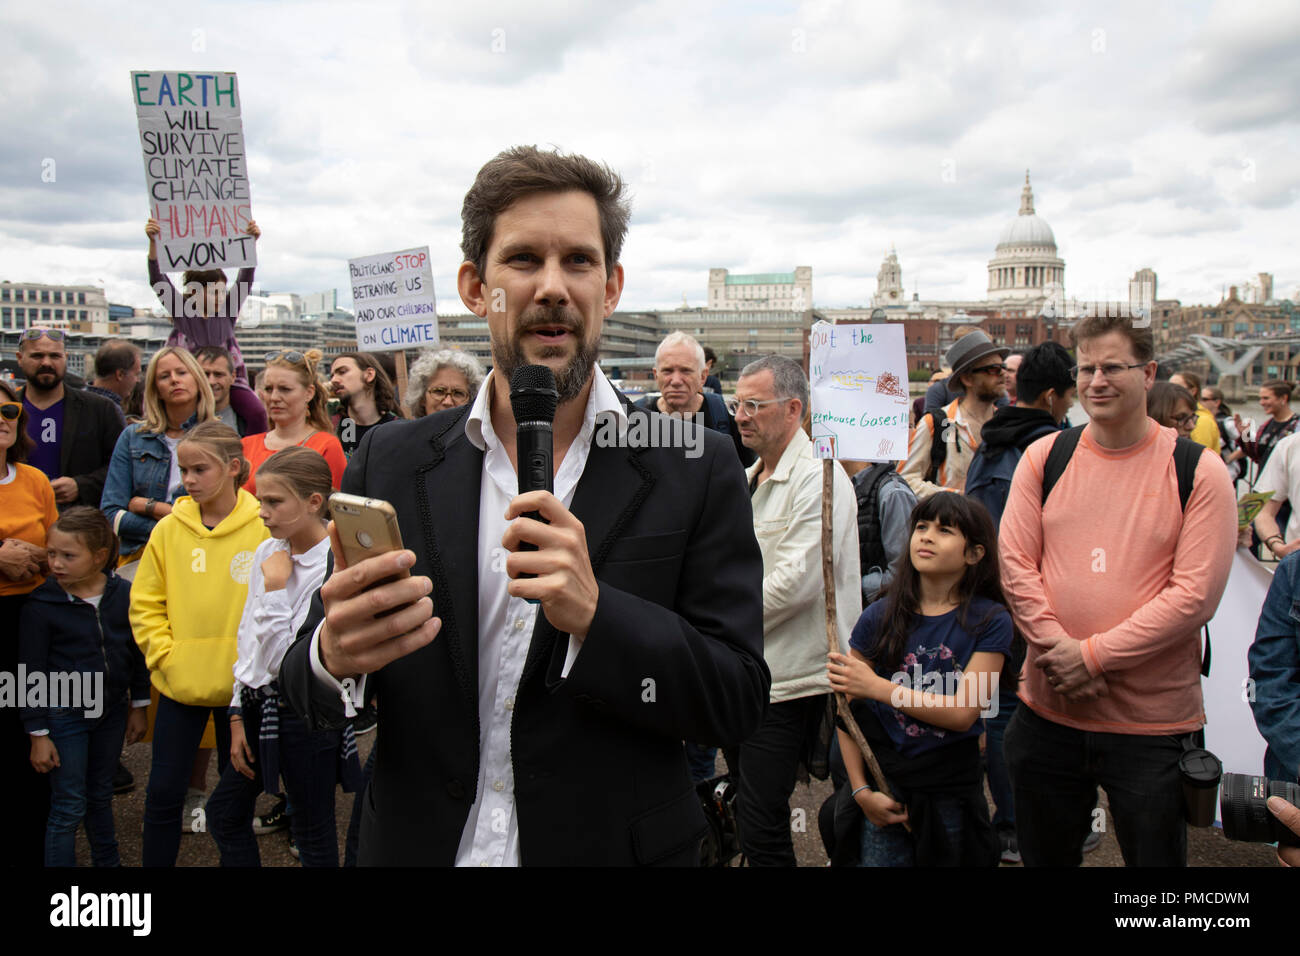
(294, 358)
(34, 333)
(10, 411)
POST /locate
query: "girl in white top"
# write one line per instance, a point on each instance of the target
(268, 741)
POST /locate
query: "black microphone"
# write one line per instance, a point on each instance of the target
(533, 399)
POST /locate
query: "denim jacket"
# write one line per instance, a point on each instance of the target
(140, 465)
(1275, 669)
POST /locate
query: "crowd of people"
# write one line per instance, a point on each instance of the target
(1019, 601)
(138, 546)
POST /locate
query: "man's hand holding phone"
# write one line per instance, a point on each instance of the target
(369, 624)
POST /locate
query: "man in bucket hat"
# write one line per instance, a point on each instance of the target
(944, 441)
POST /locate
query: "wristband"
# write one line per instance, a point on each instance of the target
(1272, 536)
(149, 506)
(234, 717)
(859, 790)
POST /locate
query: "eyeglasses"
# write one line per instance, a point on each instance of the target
(999, 369)
(458, 394)
(10, 411)
(1182, 421)
(293, 358)
(34, 333)
(751, 406)
(1084, 373)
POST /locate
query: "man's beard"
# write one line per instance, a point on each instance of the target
(991, 394)
(46, 373)
(573, 377)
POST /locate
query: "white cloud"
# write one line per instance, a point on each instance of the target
(755, 137)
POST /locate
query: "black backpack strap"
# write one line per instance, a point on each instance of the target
(1187, 455)
(1058, 457)
(938, 447)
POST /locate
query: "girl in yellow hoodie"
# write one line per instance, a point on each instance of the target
(186, 602)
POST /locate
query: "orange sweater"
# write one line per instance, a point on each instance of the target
(256, 452)
(27, 510)
(1112, 563)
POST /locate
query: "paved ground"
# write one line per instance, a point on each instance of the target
(1206, 847)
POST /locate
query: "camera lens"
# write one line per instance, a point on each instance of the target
(1243, 804)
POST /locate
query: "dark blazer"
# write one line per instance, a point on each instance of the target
(674, 653)
(90, 428)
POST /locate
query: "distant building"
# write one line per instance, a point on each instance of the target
(779, 291)
(82, 308)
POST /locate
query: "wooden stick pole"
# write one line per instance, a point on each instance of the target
(832, 635)
(400, 359)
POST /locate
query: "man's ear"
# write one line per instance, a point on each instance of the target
(472, 289)
(613, 289)
(368, 376)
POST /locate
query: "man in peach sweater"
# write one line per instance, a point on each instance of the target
(1110, 582)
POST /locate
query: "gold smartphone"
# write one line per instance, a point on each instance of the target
(367, 527)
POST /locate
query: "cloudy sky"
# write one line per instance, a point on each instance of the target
(755, 136)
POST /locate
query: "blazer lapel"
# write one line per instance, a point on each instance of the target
(613, 486)
(450, 529)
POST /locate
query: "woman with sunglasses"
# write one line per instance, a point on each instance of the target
(27, 511)
(296, 404)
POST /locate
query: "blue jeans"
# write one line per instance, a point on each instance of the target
(177, 731)
(894, 846)
(702, 760)
(1004, 815)
(1055, 772)
(81, 786)
(309, 768)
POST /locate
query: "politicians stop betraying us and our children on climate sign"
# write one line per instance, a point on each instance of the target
(195, 167)
(858, 375)
(392, 296)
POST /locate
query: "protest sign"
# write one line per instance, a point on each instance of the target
(194, 163)
(860, 404)
(392, 296)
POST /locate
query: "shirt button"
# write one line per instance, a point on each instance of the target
(498, 786)
(519, 624)
(510, 703)
(484, 863)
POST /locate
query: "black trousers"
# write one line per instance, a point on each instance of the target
(768, 762)
(1055, 772)
(24, 794)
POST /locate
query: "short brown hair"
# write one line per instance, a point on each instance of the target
(524, 170)
(1095, 326)
(93, 530)
(1278, 387)
(22, 441)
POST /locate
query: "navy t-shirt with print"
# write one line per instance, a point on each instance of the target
(937, 646)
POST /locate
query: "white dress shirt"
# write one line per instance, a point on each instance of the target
(271, 618)
(505, 623)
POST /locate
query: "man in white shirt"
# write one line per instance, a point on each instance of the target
(512, 736)
(786, 493)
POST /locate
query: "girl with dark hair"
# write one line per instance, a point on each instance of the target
(78, 623)
(943, 633)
